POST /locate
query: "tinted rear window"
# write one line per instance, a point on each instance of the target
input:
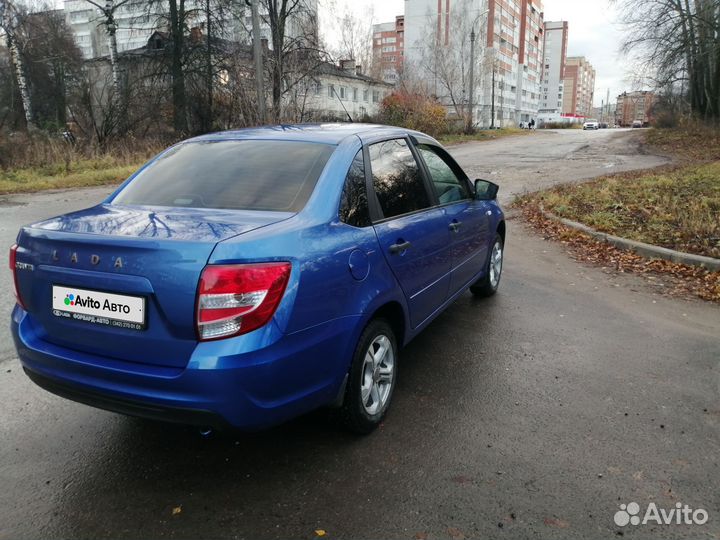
(247, 175)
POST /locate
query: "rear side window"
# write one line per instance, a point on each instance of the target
(396, 178)
(354, 203)
(238, 175)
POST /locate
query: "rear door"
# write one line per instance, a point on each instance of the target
(466, 218)
(413, 234)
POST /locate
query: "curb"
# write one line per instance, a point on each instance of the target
(641, 248)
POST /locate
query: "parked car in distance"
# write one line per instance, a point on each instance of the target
(247, 277)
(591, 124)
(637, 124)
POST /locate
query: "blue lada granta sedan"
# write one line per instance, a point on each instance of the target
(243, 278)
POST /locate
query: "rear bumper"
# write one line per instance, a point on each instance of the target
(128, 407)
(219, 387)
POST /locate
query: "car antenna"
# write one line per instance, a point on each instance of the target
(341, 103)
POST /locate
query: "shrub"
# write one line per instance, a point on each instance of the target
(414, 111)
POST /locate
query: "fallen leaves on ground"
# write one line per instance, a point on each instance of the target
(177, 510)
(672, 278)
(557, 523)
(457, 534)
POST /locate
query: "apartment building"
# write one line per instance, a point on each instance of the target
(134, 22)
(578, 87)
(137, 20)
(633, 106)
(389, 47)
(555, 50)
(508, 54)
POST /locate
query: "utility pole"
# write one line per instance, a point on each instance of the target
(492, 110)
(469, 126)
(257, 49)
(607, 104)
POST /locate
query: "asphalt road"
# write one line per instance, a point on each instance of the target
(534, 414)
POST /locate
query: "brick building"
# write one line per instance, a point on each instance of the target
(578, 87)
(388, 48)
(633, 106)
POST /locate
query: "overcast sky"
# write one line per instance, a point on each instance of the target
(594, 33)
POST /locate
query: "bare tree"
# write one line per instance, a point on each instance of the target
(52, 63)
(677, 43)
(295, 46)
(356, 39)
(108, 11)
(8, 24)
(445, 61)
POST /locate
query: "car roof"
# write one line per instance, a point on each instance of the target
(332, 133)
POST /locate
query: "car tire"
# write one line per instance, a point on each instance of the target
(371, 379)
(489, 283)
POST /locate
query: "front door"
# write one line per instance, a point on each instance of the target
(466, 218)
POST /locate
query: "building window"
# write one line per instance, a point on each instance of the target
(342, 92)
(365, 95)
(355, 94)
(376, 96)
(331, 90)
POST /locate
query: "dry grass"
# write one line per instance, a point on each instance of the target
(677, 208)
(482, 135)
(37, 163)
(694, 142)
(84, 173)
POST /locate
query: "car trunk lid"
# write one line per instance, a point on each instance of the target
(153, 254)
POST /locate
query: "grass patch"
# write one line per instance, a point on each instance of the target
(676, 208)
(82, 173)
(697, 142)
(482, 135)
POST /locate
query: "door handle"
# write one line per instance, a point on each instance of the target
(399, 248)
(455, 226)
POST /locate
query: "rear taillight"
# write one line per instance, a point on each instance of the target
(13, 269)
(236, 299)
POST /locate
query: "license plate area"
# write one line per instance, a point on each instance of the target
(97, 307)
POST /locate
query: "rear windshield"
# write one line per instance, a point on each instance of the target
(240, 175)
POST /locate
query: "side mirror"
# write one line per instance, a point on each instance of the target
(486, 190)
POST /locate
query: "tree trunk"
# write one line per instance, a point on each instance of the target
(693, 68)
(17, 62)
(209, 68)
(112, 42)
(109, 13)
(278, 16)
(177, 17)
